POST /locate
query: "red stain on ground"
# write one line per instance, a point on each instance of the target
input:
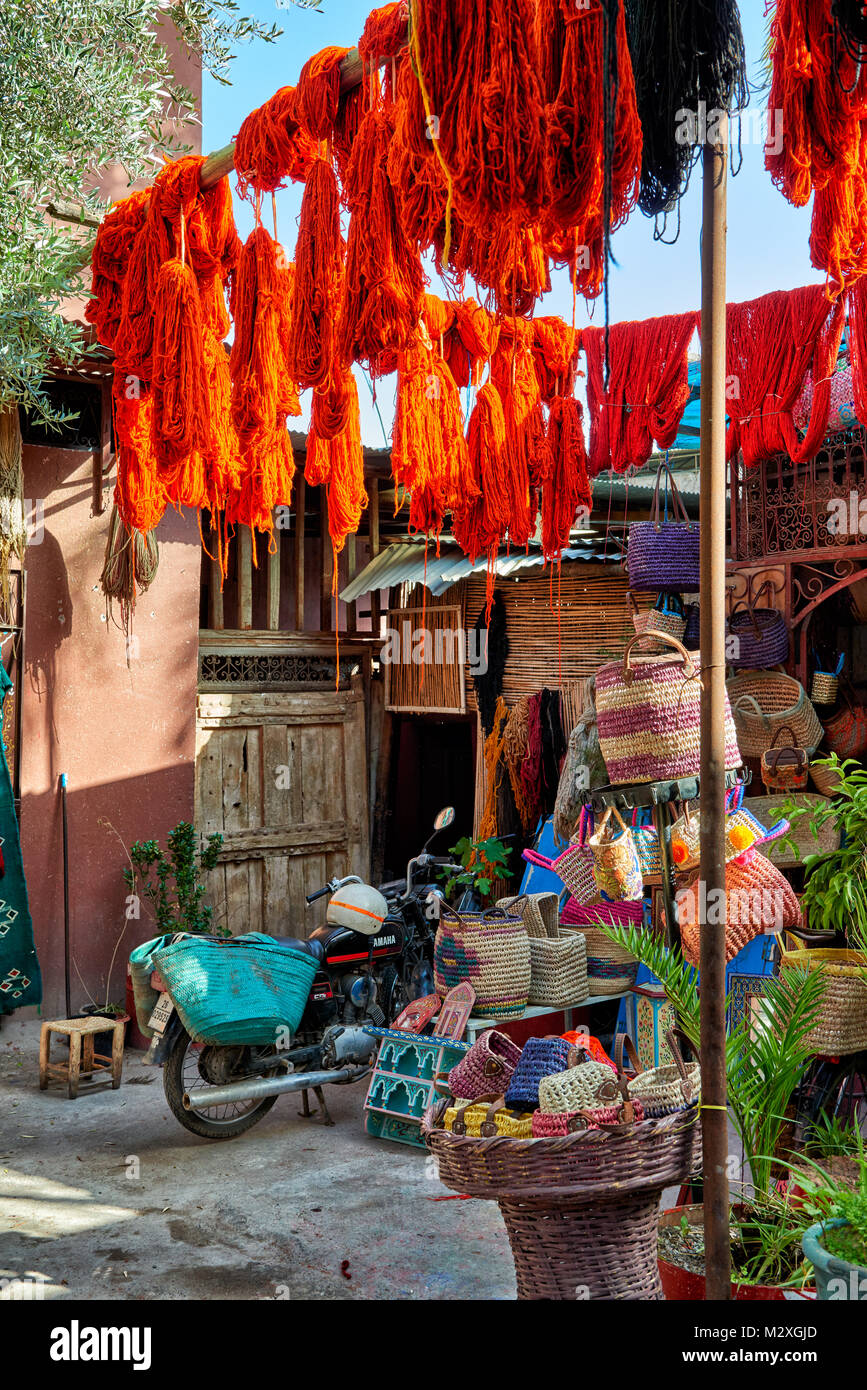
(344, 1269)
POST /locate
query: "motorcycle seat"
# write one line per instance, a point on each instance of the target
(307, 947)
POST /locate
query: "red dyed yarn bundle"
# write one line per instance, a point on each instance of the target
(771, 343)
(568, 487)
(272, 146)
(647, 392)
(429, 451)
(311, 349)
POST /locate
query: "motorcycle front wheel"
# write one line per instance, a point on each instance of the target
(184, 1071)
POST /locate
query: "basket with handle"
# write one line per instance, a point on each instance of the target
(649, 716)
(548, 1124)
(486, 1117)
(581, 1086)
(743, 832)
(242, 989)
(558, 959)
(662, 1090)
(664, 554)
(491, 950)
(785, 768)
(646, 840)
(825, 684)
(667, 615)
(763, 702)
(610, 968)
(489, 1064)
(761, 638)
(616, 866)
(540, 1057)
(845, 732)
(758, 900)
(841, 1027)
(574, 867)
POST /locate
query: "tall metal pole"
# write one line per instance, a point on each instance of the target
(712, 865)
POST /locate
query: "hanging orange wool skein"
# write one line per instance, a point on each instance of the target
(338, 463)
(384, 279)
(568, 487)
(318, 92)
(429, 450)
(482, 522)
(318, 280)
(271, 146)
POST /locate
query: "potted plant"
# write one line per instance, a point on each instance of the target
(484, 863)
(763, 1066)
(836, 1244)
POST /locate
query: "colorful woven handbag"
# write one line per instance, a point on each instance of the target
(574, 867)
(540, 1058)
(667, 615)
(489, 949)
(758, 899)
(554, 1125)
(757, 637)
(487, 1067)
(616, 866)
(664, 554)
(846, 731)
(486, 1118)
(787, 768)
(646, 839)
(610, 969)
(743, 833)
(648, 711)
(823, 690)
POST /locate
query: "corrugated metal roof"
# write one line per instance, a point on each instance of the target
(405, 563)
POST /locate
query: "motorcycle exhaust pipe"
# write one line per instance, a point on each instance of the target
(257, 1088)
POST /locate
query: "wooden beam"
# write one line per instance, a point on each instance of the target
(300, 505)
(215, 581)
(274, 582)
(222, 162)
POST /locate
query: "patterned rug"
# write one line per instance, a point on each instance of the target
(20, 977)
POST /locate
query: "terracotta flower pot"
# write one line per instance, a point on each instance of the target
(681, 1285)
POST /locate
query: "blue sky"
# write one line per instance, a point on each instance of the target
(767, 238)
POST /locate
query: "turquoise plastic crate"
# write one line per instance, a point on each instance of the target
(401, 1086)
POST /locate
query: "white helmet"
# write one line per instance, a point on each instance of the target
(359, 907)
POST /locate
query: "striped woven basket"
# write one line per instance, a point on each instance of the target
(610, 969)
(758, 900)
(490, 949)
(842, 1025)
(649, 715)
(558, 959)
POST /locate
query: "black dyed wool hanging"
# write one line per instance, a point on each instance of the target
(683, 52)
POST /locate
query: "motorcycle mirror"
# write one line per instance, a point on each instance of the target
(444, 818)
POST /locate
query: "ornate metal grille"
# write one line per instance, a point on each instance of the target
(272, 670)
(787, 509)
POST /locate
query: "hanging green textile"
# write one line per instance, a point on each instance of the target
(20, 976)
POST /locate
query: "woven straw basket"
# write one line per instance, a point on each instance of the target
(763, 702)
(758, 899)
(491, 950)
(842, 1025)
(558, 958)
(823, 690)
(610, 969)
(824, 779)
(672, 624)
(580, 1209)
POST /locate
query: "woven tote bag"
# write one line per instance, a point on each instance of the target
(487, 1067)
(610, 969)
(785, 768)
(244, 989)
(757, 637)
(581, 1086)
(646, 840)
(667, 615)
(825, 684)
(486, 1118)
(540, 1057)
(763, 702)
(664, 554)
(616, 866)
(491, 950)
(758, 899)
(842, 1024)
(743, 833)
(558, 959)
(661, 1090)
(648, 712)
(623, 914)
(845, 733)
(552, 1125)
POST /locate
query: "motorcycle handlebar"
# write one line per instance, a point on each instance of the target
(311, 897)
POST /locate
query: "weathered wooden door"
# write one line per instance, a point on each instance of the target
(282, 775)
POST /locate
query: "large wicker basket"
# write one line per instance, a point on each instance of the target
(842, 1025)
(581, 1210)
(763, 702)
(610, 969)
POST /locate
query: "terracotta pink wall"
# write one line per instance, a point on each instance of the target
(124, 734)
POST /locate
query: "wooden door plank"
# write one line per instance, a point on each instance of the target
(298, 556)
(277, 776)
(273, 618)
(245, 577)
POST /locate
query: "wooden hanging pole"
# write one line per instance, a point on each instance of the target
(222, 162)
(712, 795)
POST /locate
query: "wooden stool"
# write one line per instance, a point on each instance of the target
(78, 1030)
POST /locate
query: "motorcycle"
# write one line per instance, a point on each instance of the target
(374, 956)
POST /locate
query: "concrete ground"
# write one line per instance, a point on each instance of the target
(107, 1197)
